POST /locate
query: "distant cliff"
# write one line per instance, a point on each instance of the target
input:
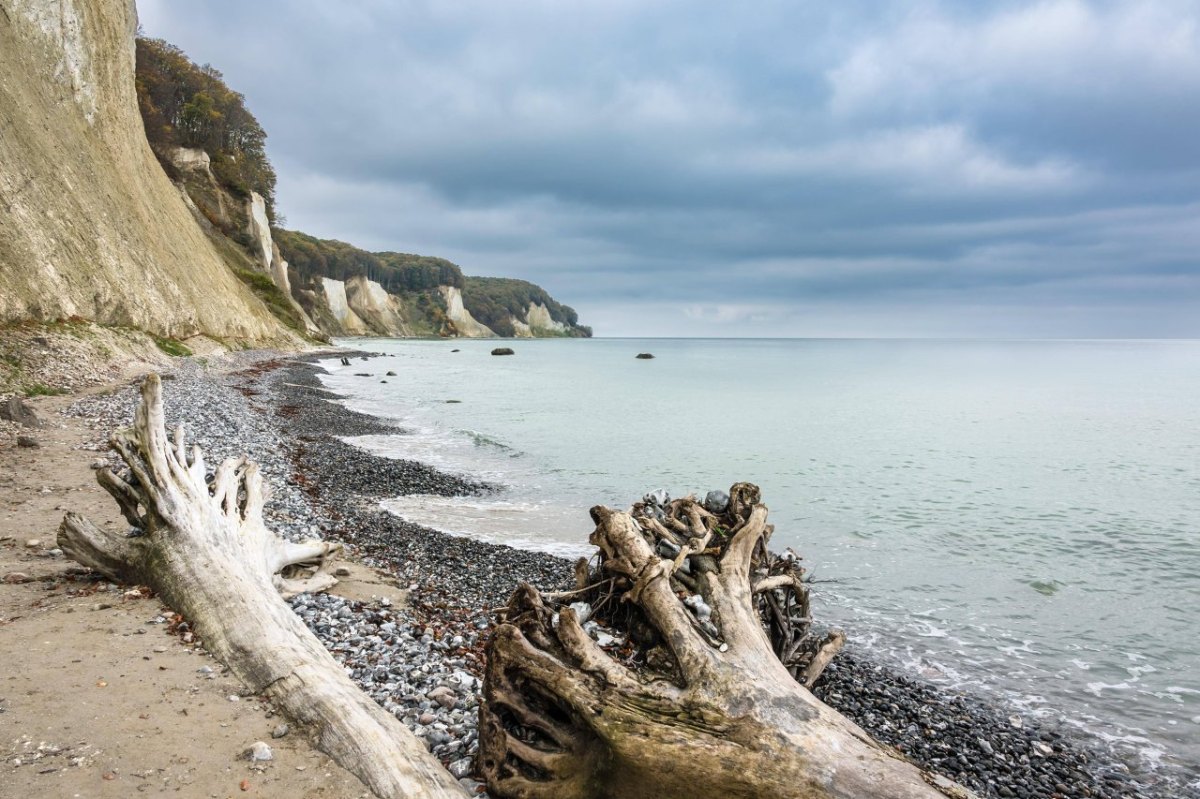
(214, 149)
(348, 291)
(90, 226)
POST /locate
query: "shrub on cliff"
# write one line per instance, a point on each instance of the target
(186, 105)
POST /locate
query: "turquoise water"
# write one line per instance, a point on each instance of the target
(1022, 518)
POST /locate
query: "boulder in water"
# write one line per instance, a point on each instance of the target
(503, 351)
(645, 356)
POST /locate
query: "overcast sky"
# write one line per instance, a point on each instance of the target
(772, 168)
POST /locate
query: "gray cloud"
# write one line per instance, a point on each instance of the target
(789, 169)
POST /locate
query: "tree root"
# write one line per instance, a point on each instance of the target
(694, 681)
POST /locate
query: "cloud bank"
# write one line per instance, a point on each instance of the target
(787, 168)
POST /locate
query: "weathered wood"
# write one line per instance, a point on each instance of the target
(701, 699)
(204, 548)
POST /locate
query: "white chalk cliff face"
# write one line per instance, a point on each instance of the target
(379, 310)
(92, 226)
(192, 159)
(464, 323)
(339, 307)
(538, 322)
(259, 228)
(359, 306)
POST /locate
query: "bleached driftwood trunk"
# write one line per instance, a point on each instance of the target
(711, 709)
(205, 550)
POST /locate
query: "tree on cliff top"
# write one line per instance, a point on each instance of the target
(496, 301)
(312, 258)
(186, 105)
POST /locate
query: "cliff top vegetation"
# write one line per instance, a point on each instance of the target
(188, 105)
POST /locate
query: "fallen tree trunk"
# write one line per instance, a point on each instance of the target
(700, 698)
(203, 547)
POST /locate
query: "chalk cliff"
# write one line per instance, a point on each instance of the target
(173, 234)
(464, 324)
(90, 225)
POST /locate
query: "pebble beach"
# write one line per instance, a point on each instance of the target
(422, 661)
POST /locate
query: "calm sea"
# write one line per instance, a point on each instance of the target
(1020, 518)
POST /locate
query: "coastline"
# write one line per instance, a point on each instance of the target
(430, 634)
(970, 738)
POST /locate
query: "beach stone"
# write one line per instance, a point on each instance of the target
(461, 768)
(503, 351)
(658, 497)
(716, 502)
(34, 543)
(15, 578)
(29, 442)
(280, 731)
(259, 752)
(583, 611)
(18, 410)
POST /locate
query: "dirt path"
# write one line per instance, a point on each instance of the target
(98, 698)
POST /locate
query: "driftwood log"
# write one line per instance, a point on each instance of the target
(695, 685)
(201, 544)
